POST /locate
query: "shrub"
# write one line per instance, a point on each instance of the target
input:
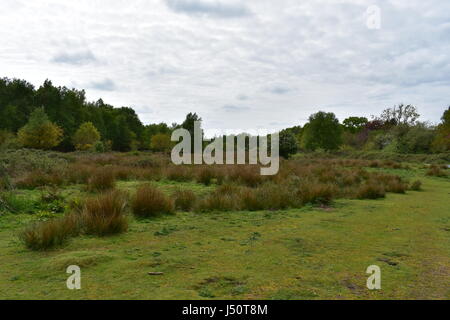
(370, 190)
(48, 234)
(150, 202)
(101, 180)
(104, 215)
(185, 199)
(416, 185)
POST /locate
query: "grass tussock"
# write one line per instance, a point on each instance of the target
(105, 215)
(371, 190)
(151, 202)
(436, 171)
(416, 186)
(38, 178)
(49, 234)
(218, 202)
(102, 179)
(185, 200)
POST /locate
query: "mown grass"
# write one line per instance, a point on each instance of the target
(305, 253)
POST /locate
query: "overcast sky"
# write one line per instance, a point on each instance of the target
(239, 64)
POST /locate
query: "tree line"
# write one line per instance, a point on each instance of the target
(59, 118)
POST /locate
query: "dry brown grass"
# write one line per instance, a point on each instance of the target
(371, 190)
(151, 202)
(105, 215)
(49, 234)
(101, 180)
(185, 200)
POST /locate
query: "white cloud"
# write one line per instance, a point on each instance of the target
(282, 59)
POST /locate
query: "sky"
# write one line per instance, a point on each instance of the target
(254, 64)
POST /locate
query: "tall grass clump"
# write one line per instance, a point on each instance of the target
(268, 196)
(48, 234)
(184, 199)
(151, 202)
(371, 190)
(317, 193)
(179, 173)
(205, 175)
(218, 202)
(105, 215)
(102, 179)
(416, 185)
(39, 178)
(436, 171)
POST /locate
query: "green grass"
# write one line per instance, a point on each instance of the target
(308, 253)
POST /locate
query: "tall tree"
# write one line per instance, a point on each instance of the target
(40, 132)
(86, 136)
(355, 124)
(401, 114)
(322, 131)
(441, 142)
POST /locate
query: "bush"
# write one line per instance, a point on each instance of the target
(150, 202)
(48, 234)
(416, 185)
(105, 214)
(101, 180)
(185, 200)
(371, 190)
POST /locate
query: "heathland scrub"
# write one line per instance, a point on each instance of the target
(308, 253)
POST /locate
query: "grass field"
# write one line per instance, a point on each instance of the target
(313, 252)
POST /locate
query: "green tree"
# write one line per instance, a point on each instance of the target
(355, 124)
(161, 142)
(441, 142)
(322, 131)
(86, 136)
(400, 114)
(188, 124)
(288, 143)
(40, 132)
